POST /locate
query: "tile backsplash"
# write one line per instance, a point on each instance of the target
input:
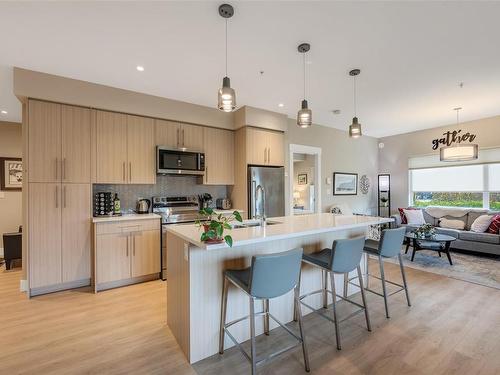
(168, 186)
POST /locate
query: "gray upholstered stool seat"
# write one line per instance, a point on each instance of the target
(270, 276)
(240, 277)
(389, 246)
(344, 257)
(320, 258)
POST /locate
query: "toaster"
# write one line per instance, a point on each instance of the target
(223, 204)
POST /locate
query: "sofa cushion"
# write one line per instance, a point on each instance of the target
(461, 218)
(429, 219)
(481, 224)
(479, 237)
(414, 217)
(402, 214)
(473, 215)
(451, 224)
(448, 231)
(494, 227)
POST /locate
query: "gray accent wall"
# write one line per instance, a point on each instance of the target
(165, 186)
(339, 153)
(393, 158)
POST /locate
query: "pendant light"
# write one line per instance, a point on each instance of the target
(459, 152)
(355, 127)
(226, 95)
(304, 116)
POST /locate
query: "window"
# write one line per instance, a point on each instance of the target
(476, 186)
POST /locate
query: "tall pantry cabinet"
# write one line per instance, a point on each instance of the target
(59, 196)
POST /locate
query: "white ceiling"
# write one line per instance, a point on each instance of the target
(412, 55)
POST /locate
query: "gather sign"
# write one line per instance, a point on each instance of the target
(451, 137)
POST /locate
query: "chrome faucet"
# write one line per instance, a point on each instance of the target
(262, 217)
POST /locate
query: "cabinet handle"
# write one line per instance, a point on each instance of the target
(64, 196)
(133, 247)
(177, 138)
(130, 171)
(124, 171)
(57, 196)
(63, 167)
(128, 238)
(57, 162)
(265, 155)
(183, 138)
(206, 174)
(269, 155)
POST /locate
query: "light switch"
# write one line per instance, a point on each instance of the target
(328, 180)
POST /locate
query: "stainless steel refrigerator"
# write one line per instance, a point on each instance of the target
(272, 179)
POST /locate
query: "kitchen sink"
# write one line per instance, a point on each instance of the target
(251, 224)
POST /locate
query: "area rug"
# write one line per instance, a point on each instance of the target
(474, 268)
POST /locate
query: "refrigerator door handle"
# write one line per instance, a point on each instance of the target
(253, 203)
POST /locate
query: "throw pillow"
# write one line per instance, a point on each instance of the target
(451, 224)
(402, 214)
(481, 224)
(414, 217)
(494, 227)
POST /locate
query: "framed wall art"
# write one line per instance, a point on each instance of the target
(11, 174)
(345, 183)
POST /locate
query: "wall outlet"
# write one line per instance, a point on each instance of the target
(328, 180)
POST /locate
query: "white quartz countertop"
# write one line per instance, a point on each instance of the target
(286, 227)
(125, 217)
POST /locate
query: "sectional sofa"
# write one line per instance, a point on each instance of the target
(466, 240)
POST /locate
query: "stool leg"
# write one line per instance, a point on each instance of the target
(367, 317)
(266, 317)
(384, 291)
(225, 285)
(301, 328)
(334, 307)
(367, 271)
(325, 288)
(346, 284)
(404, 280)
(297, 306)
(253, 353)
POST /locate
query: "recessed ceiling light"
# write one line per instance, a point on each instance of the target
(4, 112)
(281, 105)
(140, 68)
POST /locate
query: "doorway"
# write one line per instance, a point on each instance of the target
(304, 181)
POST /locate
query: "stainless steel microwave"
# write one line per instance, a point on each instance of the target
(174, 161)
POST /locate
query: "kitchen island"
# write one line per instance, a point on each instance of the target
(194, 284)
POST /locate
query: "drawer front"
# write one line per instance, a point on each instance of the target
(128, 226)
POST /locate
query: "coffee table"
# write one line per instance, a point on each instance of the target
(437, 242)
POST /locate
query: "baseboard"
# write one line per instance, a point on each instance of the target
(59, 287)
(120, 283)
(23, 285)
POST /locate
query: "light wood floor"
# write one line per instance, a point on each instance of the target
(453, 327)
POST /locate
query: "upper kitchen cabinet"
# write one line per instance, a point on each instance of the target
(141, 150)
(125, 149)
(58, 143)
(178, 135)
(219, 156)
(75, 150)
(111, 147)
(264, 147)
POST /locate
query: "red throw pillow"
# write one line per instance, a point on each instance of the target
(494, 227)
(402, 214)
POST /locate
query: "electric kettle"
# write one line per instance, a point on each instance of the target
(143, 206)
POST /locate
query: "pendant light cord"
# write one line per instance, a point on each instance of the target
(304, 75)
(354, 91)
(226, 47)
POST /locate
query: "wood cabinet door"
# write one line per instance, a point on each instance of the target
(219, 156)
(75, 134)
(141, 150)
(167, 133)
(112, 257)
(145, 252)
(191, 137)
(257, 146)
(111, 148)
(44, 141)
(76, 231)
(44, 234)
(276, 152)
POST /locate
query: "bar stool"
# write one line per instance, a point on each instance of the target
(270, 276)
(343, 257)
(389, 246)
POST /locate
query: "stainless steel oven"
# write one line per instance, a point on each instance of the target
(175, 162)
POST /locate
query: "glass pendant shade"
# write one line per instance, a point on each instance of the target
(459, 153)
(355, 128)
(227, 96)
(304, 116)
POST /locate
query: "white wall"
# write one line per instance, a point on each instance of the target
(339, 154)
(393, 158)
(10, 201)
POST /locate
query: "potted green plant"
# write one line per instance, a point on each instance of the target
(425, 231)
(214, 225)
